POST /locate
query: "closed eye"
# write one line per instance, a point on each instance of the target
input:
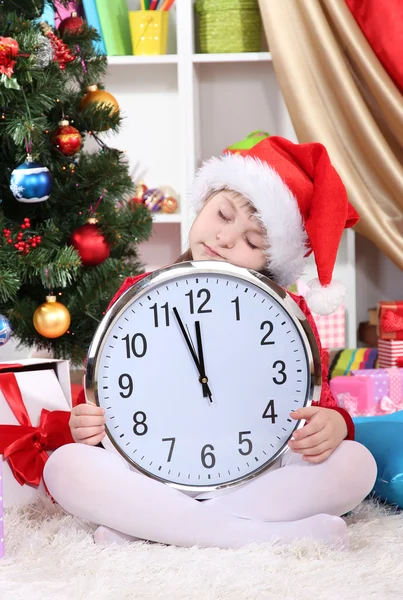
(223, 217)
(250, 244)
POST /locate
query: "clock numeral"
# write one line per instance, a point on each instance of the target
(281, 364)
(207, 455)
(172, 440)
(122, 384)
(154, 307)
(140, 427)
(237, 311)
(264, 341)
(203, 293)
(270, 412)
(244, 440)
(138, 349)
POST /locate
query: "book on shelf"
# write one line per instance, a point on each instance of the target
(114, 19)
(92, 18)
(48, 15)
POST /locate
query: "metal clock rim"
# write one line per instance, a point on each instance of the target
(204, 268)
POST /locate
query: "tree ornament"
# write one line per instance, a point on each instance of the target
(96, 96)
(22, 244)
(51, 319)
(67, 138)
(169, 204)
(90, 243)
(31, 182)
(44, 54)
(6, 331)
(152, 199)
(8, 50)
(73, 25)
(61, 52)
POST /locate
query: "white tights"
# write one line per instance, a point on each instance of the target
(298, 500)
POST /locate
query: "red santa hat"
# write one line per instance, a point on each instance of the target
(301, 203)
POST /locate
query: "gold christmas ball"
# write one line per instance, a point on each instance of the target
(169, 205)
(51, 319)
(94, 95)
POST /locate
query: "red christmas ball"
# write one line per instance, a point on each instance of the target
(67, 139)
(72, 25)
(90, 243)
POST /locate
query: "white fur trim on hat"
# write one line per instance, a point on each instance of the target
(325, 299)
(277, 208)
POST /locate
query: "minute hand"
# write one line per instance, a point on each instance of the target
(203, 379)
(201, 358)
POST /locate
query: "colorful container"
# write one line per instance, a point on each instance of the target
(149, 31)
(229, 26)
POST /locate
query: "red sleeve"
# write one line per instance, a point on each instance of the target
(327, 399)
(128, 282)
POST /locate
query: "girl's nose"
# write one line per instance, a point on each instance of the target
(226, 237)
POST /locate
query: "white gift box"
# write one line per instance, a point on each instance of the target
(43, 383)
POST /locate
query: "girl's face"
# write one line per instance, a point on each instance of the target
(226, 229)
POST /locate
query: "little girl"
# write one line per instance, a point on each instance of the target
(266, 210)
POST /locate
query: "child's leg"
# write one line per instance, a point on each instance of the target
(301, 489)
(96, 485)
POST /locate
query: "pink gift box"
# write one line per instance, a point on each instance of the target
(354, 394)
(387, 390)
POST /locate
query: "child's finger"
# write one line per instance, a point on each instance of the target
(82, 433)
(308, 442)
(88, 409)
(314, 426)
(319, 458)
(94, 440)
(87, 421)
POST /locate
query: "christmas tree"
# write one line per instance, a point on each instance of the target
(68, 230)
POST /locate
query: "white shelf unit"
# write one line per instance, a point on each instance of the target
(182, 108)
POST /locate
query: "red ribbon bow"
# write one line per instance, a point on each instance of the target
(24, 446)
(391, 322)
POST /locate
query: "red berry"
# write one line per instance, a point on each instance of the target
(33, 244)
(10, 241)
(19, 236)
(26, 220)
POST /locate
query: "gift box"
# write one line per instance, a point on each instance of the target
(390, 320)
(345, 361)
(390, 353)
(35, 405)
(387, 389)
(331, 328)
(354, 394)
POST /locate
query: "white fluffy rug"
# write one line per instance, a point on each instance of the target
(51, 556)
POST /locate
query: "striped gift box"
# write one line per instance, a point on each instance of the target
(390, 351)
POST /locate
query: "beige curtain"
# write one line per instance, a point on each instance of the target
(338, 93)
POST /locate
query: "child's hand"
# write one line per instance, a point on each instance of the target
(323, 433)
(87, 424)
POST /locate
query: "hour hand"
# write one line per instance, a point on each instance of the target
(202, 376)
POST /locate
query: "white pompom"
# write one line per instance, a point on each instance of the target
(324, 300)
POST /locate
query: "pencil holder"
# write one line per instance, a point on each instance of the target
(229, 26)
(149, 31)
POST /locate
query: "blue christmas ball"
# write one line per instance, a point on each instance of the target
(31, 182)
(5, 330)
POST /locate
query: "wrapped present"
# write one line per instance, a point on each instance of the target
(390, 353)
(331, 328)
(1, 514)
(35, 405)
(345, 361)
(354, 394)
(387, 389)
(390, 320)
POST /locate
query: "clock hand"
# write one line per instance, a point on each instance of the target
(201, 358)
(203, 379)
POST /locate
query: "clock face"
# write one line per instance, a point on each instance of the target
(198, 370)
